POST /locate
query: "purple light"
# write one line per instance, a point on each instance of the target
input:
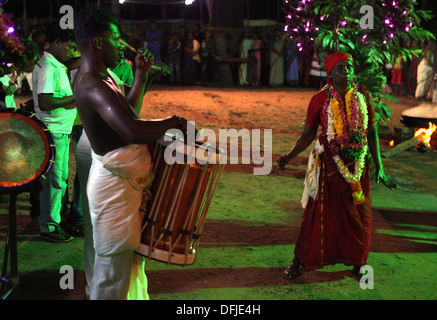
(384, 42)
(322, 18)
(11, 30)
(404, 13)
(343, 23)
(387, 21)
(391, 35)
(407, 29)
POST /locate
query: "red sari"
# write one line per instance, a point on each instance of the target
(334, 229)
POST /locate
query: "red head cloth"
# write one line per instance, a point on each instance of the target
(333, 59)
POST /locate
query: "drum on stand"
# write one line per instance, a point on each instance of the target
(180, 197)
(26, 155)
(27, 151)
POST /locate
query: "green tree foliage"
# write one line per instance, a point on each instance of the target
(338, 25)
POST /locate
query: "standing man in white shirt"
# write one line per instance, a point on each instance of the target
(54, 105)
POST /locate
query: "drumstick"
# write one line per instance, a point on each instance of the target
(127, 45)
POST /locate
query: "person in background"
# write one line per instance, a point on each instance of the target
(426, 71)
(9, 86)
(317, 69)
(154, 37)
(291, 62)
(174, 59)
(277, 54)
(190, 60)
(258, 47)
(245, 45)
(252, 74)
(396, 77)
(210, 63)
(54, 105)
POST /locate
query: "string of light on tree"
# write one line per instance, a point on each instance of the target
(302, 20)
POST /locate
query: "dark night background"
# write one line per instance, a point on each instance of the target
(135, 10)
(175, 9)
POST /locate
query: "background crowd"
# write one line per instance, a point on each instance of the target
(255, 57)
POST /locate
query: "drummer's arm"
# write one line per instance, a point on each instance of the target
(47, 102)
(134, 131)
(142, 82)
(138, 90)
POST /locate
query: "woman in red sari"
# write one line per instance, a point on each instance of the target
(336, 225)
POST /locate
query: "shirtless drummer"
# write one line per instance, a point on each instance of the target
(117, 137)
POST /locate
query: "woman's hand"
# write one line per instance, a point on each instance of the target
(380, 176)
(282, 161)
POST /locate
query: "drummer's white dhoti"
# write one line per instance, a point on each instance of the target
(114, 202)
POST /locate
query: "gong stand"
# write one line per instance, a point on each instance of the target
(8, 285)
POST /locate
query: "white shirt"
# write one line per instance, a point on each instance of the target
(51, 76)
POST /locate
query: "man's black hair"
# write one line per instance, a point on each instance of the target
(92, 22)
(55, 32)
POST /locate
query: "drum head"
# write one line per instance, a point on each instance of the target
(26, 150)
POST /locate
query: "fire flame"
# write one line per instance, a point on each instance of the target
(427, 133)
(391, 143)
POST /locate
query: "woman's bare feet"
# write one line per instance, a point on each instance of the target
(292, 270)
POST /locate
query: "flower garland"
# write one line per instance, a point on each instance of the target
(347, 136)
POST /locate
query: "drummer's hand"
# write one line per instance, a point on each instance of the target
(183, 126)
(182, 123)
(144, 60)
(380, 176)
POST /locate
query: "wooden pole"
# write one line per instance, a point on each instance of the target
(403, 146)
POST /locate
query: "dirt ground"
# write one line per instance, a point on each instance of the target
(252, 224)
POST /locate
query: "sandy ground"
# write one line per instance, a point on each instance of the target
(252, 225)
